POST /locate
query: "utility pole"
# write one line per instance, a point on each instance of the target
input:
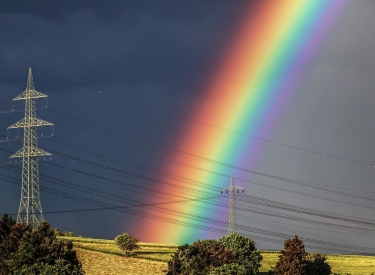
(30, 209)
(232, 189)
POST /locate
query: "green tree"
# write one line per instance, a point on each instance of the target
(201, 257)
(293, 258)
(24, 250)
(244, 251)
(10, 237)
(127, 243)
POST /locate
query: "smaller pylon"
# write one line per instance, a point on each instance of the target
(233, 190)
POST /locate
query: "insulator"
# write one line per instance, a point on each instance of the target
(238, 191)
(227, 191)
(221, 192)
(243, 191)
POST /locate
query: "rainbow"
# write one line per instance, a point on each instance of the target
(268, 58)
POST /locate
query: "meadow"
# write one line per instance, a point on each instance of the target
(103, 257)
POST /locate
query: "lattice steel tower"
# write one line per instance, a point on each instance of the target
(232, 189)
(30, 209)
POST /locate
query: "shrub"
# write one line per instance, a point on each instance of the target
(58, 232)
(199, 258)
(234, 254)
(69, 234)
(293, 258)
(229, 269)
(10, 236)
(175, 264)
(244, 252)
(24, 250)
(316, 265)
(127, 243)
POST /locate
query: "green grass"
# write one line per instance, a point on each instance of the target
(351, 264)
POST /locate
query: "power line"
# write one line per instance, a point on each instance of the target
(96, 176)
(106, 167)
(172, 151)
(121, 199)
(213, 222)
(159, 110)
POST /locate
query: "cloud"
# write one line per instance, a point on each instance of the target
(125, 42)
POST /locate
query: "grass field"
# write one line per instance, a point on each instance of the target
(102, 257)
(148, 251)
(98, 263)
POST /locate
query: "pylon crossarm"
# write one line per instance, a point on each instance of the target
(236, 187)
(34, 152)
(30, 94)
(32, 122)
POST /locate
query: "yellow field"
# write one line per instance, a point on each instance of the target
(341, 264)
(361, 265)
(149, 251)
(97, 263)
(101, 257)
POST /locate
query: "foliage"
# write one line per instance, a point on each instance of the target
(157, 254)
(316, 264)
(24, 250)
(69, 234)
(293, 258)
(127, 243)
(10, 237)
(199, 258)
(230, 269)
(58, 232)
(234, 254)
(244, 252)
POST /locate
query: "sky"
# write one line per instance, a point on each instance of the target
(123, 81)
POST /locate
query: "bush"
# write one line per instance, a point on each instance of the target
(10, 237)
(127, 243)
(244, 252)
(58, 232)
(293, 258)
(234, 254)
(199, 258)
(175, 264)
(229, 269)
(316, 265)
(24, 250)
(69, 234)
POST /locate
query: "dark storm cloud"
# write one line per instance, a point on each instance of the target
(127, 42)
(157, 53)
(57, 10)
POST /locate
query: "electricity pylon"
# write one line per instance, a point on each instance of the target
(30, 209)
(232, 189)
